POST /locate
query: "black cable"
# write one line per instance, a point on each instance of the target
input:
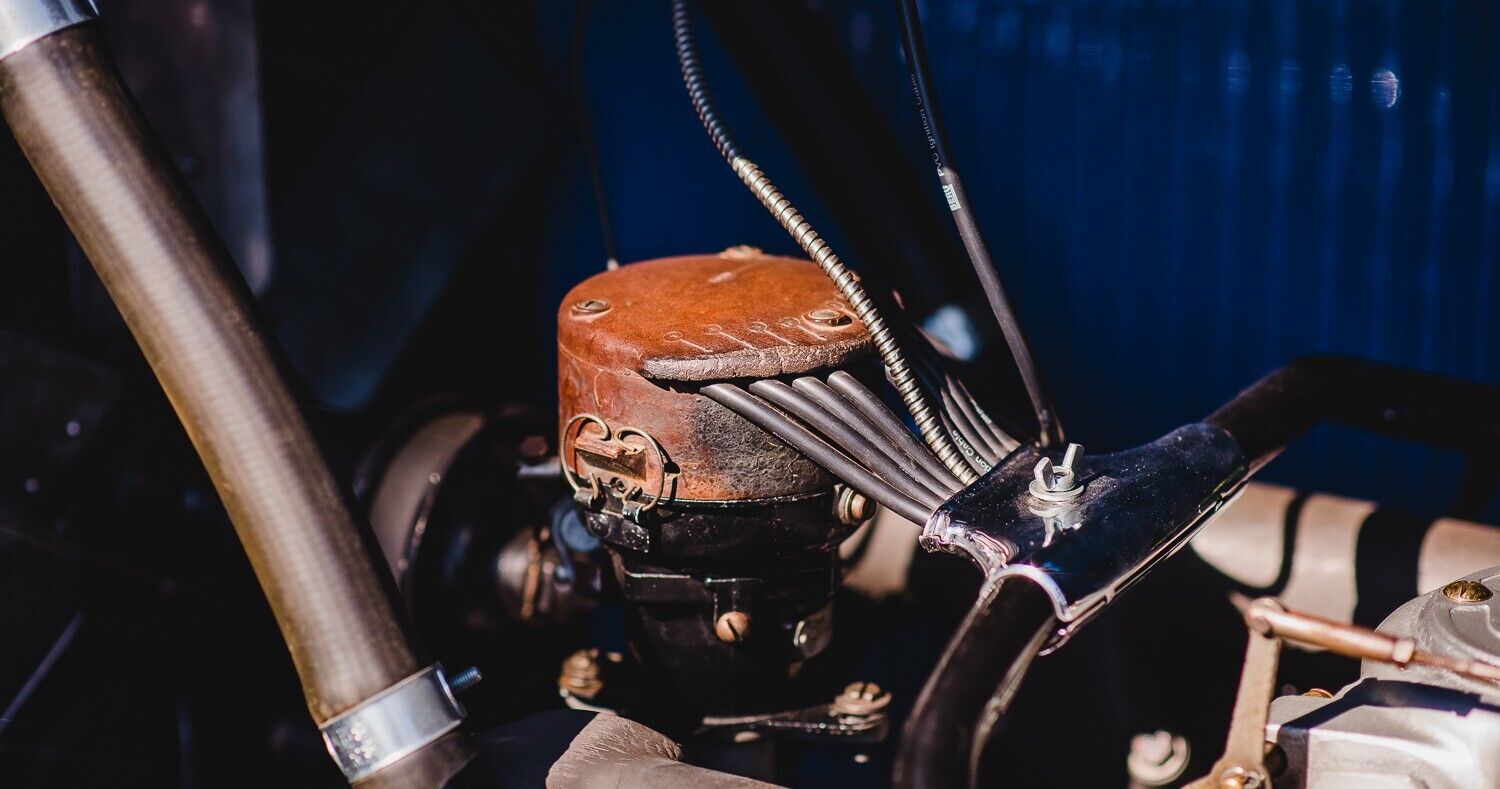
(764, 416)
(1049, 430)
(842, 435)
(953, 421)
(586, 137)
(881, 423)
(885, 420)
(1002, 440)
(958, 403)
(886, 345)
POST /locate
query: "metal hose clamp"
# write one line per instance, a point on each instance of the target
(398, 721)
(25, 21)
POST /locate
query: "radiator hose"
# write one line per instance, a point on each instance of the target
(172, 280)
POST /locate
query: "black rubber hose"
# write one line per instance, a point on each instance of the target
(886, 345)
(969, 692)
(909, 453)
(173, 282)
(1049, 429)
(1405, 404)
(767, 418)
(848, 439)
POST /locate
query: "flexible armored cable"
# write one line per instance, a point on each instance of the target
(848, 439)
(897, 369)
(1049, 430)
(766, 417)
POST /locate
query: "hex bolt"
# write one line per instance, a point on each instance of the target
(827, 317)
(1059, 482)
(733, 627)
(591, 307)
(861, 698)
(1467, 592)
(465, 679)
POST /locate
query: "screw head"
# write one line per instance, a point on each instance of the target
(824, 316)
(1158, 758)
(591, 307)
(733, 627)
(1467, 592)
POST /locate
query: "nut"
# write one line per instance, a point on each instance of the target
(861, 698)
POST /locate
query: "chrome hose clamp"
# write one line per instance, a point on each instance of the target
(24, 21)
(393, 723)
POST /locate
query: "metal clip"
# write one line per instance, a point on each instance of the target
(611, 462)
(396, 722)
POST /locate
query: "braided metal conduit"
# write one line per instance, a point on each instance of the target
(898, 371)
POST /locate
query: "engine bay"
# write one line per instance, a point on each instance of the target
(718, 514)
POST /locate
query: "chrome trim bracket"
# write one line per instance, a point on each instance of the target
(24, 21)
(396, 722)
(1136, 508)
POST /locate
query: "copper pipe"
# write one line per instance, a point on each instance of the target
(173, 282)
(1268, 617)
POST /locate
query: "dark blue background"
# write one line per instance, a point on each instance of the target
(1180, 196)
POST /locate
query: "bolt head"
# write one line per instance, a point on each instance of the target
(1467, 592)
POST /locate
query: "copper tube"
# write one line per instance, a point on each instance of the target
(173, 282)
(1269, 617)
